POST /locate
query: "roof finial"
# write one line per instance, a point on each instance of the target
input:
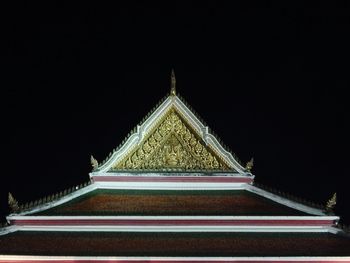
(331, 203)
(13, 203)
(173, 83)
(249, 165)
(94, 163)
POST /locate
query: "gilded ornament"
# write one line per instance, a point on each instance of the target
(94, 163)
(171, 145)
(13, 204)
(249, 165)
(331, 203)
(157, 136)
(198, 148)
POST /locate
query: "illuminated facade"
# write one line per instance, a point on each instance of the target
(171, 192)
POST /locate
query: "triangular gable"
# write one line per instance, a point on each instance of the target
(172, 146)
(172, 139)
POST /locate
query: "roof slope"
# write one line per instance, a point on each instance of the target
(174, 244)
(170, 202)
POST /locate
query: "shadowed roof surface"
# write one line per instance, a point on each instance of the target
(171, 202)
(174, 244)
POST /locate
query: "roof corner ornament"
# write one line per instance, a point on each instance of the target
(331, 203)
(13, 203)
(94, 163)
(249, 165)
(173, 83)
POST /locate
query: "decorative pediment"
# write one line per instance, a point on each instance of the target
(172, 145)
(171, 138)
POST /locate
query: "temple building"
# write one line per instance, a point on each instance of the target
(171, 192)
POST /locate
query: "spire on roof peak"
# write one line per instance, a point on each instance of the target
(173, 83)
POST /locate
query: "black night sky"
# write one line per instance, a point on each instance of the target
(269, 78)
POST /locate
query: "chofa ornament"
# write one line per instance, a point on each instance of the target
(249, 165)
(94, 163)
(331, 203)
(12, 202)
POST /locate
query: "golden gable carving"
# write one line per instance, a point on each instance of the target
(172, 146)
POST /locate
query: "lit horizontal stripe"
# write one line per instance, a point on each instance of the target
(210, 179)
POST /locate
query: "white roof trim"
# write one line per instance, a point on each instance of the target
(306, 218)
(188, 229)
(170, 186)
(284, 201)
(8, 229)
(200, 128)
(172, 228)
(60, 201)
(171, 173)
(207, 137)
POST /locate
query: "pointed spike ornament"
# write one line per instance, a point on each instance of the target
(331, 203)
(13, 203)
(249, 165)
(173, 83)
(94, 163)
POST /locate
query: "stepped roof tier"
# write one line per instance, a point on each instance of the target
(172, 192)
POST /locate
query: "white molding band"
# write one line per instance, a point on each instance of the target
(188, 229)
(170, 186)
(305, 218)
(170, 174)
(181, 229)
(175, 223)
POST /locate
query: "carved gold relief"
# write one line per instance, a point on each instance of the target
(172, 145)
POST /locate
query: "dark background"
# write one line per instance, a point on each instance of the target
(269, 78)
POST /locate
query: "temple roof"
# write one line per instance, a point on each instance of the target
(171, 190)
(171, 138)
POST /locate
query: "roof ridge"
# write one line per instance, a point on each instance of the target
(50, 198)
(133, 130)
(290, 196)
(210, 130)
